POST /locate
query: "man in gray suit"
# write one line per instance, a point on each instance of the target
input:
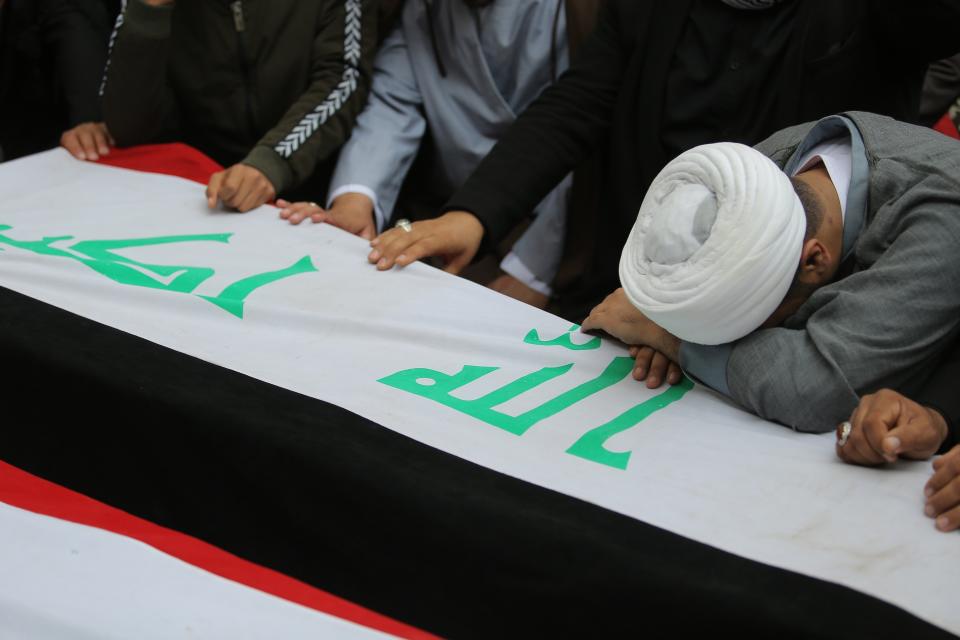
(795, 295)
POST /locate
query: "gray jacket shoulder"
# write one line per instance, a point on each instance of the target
(780, 145)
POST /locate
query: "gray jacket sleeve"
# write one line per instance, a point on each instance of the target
(876, 328)
(387, 134)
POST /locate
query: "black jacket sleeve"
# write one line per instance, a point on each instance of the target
(943, 394)
(552, 136)
(76, 32)
(941, 88)
(925, 31)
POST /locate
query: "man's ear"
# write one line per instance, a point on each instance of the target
(815, 263)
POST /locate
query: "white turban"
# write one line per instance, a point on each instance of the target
(716, 244)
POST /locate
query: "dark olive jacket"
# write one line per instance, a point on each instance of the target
(276, 85)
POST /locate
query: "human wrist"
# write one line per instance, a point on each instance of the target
(466, 218)
(668, 345)
(353, 200)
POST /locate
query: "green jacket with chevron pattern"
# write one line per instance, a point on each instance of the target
(276, 85)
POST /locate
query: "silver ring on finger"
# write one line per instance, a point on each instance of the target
(845, 429)
(404, 224)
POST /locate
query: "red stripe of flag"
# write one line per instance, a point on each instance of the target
(25, 491)
(174, 159)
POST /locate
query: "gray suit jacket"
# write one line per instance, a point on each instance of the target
(886, 323)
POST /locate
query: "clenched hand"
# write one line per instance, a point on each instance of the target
(240, 187)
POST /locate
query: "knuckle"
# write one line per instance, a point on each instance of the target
(953, 464)
(949, 495)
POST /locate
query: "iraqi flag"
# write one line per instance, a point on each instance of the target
(426, 454)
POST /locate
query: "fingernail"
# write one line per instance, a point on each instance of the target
(943, 523)
(104, 151)
(375, 242)
(929, 511)
(374, 256)
(928, 491)
(889, 458)
(653, 382)
(94, 157)
(402, 257)
(81, 155)
(382, 263)
(892, 443)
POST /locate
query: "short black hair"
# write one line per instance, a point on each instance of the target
(811, 207)
(813, 210)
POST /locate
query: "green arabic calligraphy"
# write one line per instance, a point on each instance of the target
(533, 337)
(99, 255)
(591, 447)
(438, 386)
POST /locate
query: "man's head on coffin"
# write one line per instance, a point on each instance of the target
(725, 243)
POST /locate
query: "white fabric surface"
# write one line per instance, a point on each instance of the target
(716, 244)
(61, 580)
(700, 467)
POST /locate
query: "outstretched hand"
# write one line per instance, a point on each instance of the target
(87, 141)
(943, 491)
(351, 212)
(454, 236)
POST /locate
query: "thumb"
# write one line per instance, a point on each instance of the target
(457, 262)
(368, 232)
(904, 436)
(914, 438)
(883, 414)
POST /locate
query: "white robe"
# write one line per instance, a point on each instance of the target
(497, 61)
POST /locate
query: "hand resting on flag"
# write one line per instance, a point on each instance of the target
(886, 426)
(655, 350)
(240, 187)
(455, 236)
(87, 141)
(352, 212)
